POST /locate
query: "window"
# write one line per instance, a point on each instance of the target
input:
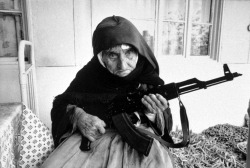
(170, 27)
(12, 28)
(142, 13)
(173, 16)
(200, 27)
(185, 27)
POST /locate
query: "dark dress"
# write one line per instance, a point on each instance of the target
(110, 150)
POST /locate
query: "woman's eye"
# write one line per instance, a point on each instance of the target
(130, 54)
(112, 56)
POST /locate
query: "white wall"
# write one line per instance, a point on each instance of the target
(62, 39)
(219, 104)
(51, 81)
(225, 103)
(53, 32)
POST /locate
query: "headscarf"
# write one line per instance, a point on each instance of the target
(117, 30)
(96, 79)
(110, 32)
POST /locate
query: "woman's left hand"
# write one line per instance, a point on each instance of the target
(155, 104)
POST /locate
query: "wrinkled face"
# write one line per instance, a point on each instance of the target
(120, 60)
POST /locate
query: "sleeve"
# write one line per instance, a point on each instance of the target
(159, 125)
(62, 117)
(163, 123)
(168, 125)
(168, 120)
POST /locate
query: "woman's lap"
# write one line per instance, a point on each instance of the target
(108, 152)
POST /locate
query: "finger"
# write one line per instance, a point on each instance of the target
(148, 105)
(150, 100)
(90, 138)
(103, 123)
(162, 100)
(156, 104)
(156, 101)
(100, 128)
(98, 121)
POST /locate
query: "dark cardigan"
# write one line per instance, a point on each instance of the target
(94, 79)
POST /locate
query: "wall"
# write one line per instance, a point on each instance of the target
(224, 103)
(62, 39)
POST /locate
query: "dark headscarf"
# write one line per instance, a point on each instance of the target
(96, 79)
(117, 30)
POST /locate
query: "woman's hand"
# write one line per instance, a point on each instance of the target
(155, 105)
(92, 127)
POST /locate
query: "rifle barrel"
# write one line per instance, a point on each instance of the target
(195, 84)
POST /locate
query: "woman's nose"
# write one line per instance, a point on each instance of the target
(122, 63)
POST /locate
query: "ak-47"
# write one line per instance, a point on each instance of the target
(142, 140)
(131, 101)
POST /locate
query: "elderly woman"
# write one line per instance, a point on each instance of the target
(121, 59)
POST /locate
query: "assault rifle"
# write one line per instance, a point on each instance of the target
(140, 139)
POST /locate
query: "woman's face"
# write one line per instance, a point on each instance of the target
(120, 60)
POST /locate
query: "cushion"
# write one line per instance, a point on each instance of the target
(36, 140)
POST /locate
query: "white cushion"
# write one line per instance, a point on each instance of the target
(36, 140)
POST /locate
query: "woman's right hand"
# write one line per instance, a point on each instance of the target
(92, 127)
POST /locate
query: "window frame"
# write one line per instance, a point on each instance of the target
(22, 31)
(214, 35)
(216, 30)
(214, 26)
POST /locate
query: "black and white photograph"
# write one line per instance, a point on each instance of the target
(124, 83)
